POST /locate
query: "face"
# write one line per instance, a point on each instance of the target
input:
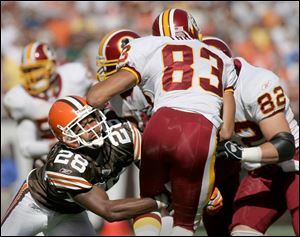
(87, 124)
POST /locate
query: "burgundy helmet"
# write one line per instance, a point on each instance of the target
(217, 43)
(38, 67)
(175, 22)
(110, 49)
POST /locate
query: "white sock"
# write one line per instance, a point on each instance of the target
(180, 231)
(166, 226)
(246, 233)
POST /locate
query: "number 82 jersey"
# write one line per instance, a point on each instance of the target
(259, 95)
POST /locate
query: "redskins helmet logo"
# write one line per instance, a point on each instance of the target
(123, 42)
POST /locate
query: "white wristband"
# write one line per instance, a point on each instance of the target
(252, 154)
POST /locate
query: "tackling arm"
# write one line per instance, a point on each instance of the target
(97, 201)
(103, 91)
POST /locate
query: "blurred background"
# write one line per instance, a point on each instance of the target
(264, 33)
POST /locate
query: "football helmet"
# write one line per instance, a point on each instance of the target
(175, 22)
(217, 43)
(110, 49)
(76, 124)
(38, 65)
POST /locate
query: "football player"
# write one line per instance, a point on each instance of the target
(265, 126)
(180, 139)
(93, 150)
(134, 104)
(131, 105)
(43, 81)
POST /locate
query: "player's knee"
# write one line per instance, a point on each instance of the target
(243, 230)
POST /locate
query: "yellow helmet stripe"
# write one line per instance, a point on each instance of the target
(165, 21)
(103, 41)
(28, 52)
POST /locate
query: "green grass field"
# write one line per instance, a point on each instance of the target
(279, 228)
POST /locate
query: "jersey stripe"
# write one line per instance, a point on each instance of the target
(57, 178)
(134, 72)
(136, 137)
(137, 145)
(59, 183)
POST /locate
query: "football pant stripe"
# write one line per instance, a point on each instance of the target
(208, 176)
(19, 196)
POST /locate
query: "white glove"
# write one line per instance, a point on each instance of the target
(289, 165)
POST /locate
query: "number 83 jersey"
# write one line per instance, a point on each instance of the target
(181, 73)
(69, 172)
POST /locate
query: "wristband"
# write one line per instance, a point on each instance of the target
(252, 154)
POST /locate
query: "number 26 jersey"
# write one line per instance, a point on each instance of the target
(69, 172)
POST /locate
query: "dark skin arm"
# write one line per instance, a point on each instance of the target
(103, 91)
(97, 201)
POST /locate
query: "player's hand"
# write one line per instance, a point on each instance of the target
(215, 203)
(163, 200)
(230, 150)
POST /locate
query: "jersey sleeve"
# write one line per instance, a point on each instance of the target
(266, 98)
(133, 58)
(230, 77)
(31, 145)
(15, 104)
(69, 172)
(137, 142)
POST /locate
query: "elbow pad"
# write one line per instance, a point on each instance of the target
(284, 143)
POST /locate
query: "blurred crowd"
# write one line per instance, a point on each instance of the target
(265, 33)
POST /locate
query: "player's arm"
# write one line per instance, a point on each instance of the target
(227, 129)
(31, 146)
(103, 91)
(97, 201)
(280, 145)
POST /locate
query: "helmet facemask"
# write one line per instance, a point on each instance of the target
(72, 134)
(37, 76)
(105, 68)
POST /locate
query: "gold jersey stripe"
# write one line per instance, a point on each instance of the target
(134, 72)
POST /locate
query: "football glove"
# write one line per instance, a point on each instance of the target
(230, 150)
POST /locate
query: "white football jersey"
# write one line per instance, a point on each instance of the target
(182, 74)
(72, 79)
(130, 105)
(259, 95)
